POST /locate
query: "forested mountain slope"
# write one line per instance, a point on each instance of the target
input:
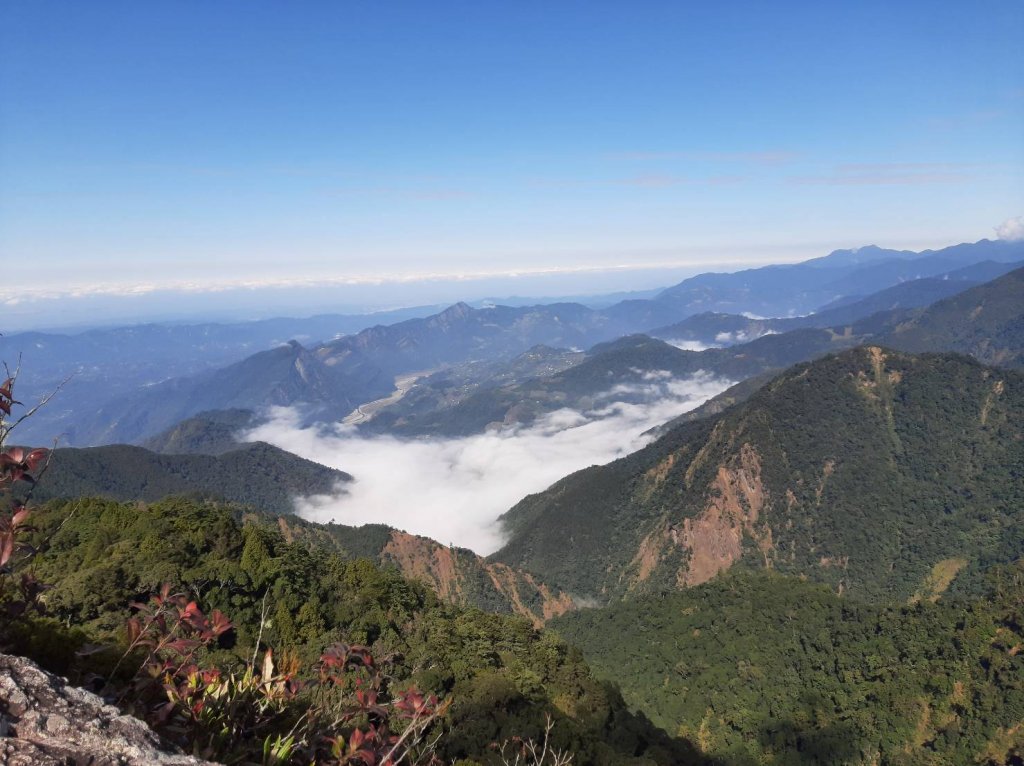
(266, 480)
(502, 675)
(209, 433)
(874, 471)
(761, 668)
(986, 322)
(257, 474)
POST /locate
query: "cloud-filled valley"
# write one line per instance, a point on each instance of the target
(454, 489)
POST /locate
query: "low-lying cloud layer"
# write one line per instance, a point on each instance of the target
(453, 490)
(687, 345)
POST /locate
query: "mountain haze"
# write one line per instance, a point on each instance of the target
(335, 377)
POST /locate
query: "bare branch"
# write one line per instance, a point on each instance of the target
(42, 403)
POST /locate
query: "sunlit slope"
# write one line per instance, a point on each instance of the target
(986, 322)
(761, 668)
(863, 470)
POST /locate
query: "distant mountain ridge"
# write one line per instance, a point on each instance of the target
(333, 378)
(990, 314)
(213, 432)
(469, 398)
(619, 370)
(258, 475)
(802, 288)
(986, 322)
(723, 329)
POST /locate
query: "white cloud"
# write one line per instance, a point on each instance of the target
(688, 345)
(453, 490)
(1011, 229)
(741, 336)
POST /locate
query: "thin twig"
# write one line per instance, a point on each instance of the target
(259, 637)
(42, 403)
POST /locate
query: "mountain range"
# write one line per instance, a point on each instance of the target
(819, 565)
(129, 399)
(983, 321)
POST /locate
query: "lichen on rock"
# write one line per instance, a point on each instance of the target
(46, 722)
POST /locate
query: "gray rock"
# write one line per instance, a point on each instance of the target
(45, 722)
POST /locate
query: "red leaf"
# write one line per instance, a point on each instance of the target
(35, 458)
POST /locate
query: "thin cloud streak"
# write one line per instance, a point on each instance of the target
(891, 174)
(453, 490)
(24, 294)
(752, 158)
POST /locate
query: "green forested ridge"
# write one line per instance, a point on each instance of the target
(502, 674)
(734, 394)
(761, 668)
(257, 474)
(209, 433)
(986, 322)
(266, 480)
(457, 575)
(863, 470)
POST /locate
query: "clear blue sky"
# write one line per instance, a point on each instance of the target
(158, 142)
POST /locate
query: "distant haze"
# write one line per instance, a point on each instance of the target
(111, 305)
(453, 490)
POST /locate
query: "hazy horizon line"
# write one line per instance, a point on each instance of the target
(18, 294)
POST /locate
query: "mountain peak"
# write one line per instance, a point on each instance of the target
(454, 313)
(457, 309)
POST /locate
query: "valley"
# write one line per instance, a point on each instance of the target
(511, 384)
(657, 540)
(365, 412)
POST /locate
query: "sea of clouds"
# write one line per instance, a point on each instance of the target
(454, 489)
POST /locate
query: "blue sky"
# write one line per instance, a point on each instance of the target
(165, 143)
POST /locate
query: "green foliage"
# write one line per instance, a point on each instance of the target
(258, 474)
(873, 466)
(986, 322)
(502, 675)
(209, 433)
(770, 669)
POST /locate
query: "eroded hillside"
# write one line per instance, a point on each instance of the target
(863, 470)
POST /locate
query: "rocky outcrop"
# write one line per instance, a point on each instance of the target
(45, 722)
(460, 577)
(714, 539)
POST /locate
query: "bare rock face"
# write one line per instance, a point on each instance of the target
(45, 722)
